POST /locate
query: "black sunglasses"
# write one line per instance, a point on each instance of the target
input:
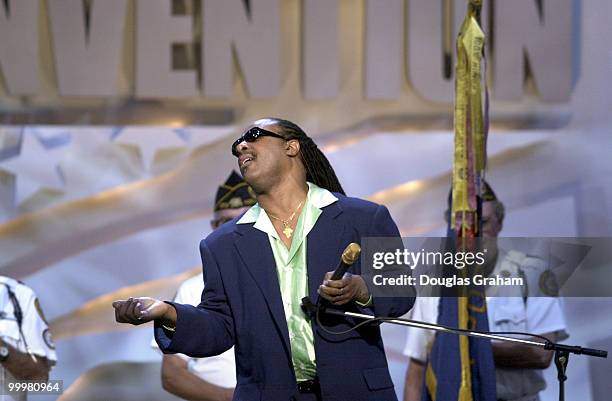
(251, 136)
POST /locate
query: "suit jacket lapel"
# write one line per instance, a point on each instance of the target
(324, 243)
(254, 248)
(325, 247)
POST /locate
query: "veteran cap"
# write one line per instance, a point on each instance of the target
(234, 193)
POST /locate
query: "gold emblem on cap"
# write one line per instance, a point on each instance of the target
(548, 284)
(235, 202)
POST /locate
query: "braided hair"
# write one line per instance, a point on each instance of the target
(318, 169)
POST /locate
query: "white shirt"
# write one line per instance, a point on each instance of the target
(36, 339)
(219, 370)
(536, 315)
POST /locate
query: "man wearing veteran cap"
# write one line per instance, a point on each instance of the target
(518, 368)
(212, 378)
(233, 198)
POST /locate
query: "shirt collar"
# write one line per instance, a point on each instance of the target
(317, 197)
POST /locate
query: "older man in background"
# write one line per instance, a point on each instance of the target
(518, 368)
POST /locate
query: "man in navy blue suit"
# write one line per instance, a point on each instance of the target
(258, 268)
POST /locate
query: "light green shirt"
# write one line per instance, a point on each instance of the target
(291, 267)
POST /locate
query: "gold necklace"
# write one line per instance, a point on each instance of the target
(288, 231)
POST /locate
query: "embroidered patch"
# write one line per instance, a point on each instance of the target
(47, 338)
(548, 284)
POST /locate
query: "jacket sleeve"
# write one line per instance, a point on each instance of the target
(382, 225)
(207, 329)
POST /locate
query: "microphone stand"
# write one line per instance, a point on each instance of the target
(562, 351)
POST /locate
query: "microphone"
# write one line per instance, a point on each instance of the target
(349, 256)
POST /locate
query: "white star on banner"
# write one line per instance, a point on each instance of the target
(34, 168)
(149, 140)
(208, 134)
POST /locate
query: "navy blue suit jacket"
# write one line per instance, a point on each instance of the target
(242, 306)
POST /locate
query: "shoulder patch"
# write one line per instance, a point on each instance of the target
(548, 284)
(48, 339)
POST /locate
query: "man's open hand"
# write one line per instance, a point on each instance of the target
(142, 310)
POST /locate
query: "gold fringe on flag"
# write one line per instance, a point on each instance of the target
(470, 136)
